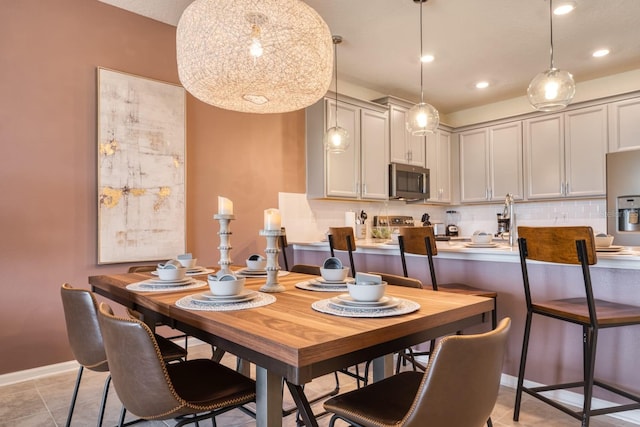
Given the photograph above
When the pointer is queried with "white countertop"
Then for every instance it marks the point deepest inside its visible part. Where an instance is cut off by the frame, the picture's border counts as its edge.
(628, 258)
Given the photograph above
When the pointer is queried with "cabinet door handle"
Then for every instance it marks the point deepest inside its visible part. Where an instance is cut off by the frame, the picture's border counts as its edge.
(486, 193)
(364, 189)
(562, 188)
(566, 188)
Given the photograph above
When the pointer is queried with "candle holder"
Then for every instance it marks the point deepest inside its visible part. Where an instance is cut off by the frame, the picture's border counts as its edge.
(225, 242)
(273, 268)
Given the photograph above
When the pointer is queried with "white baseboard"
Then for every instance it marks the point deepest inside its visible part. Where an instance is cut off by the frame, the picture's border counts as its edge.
(35, 373)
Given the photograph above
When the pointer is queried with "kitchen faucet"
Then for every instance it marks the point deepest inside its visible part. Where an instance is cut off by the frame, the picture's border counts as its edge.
(509, 214)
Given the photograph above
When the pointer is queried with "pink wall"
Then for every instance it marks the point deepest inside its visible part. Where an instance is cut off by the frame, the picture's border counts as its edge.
(49, 52)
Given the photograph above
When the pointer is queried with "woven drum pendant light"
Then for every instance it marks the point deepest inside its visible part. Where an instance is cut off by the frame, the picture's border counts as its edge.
(422, 118)
(255, 56)
(551, 90)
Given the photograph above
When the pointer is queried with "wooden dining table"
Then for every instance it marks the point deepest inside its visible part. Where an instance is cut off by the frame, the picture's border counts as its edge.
(290, 340)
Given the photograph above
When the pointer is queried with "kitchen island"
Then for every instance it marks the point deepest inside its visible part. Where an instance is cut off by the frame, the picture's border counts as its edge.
(615, 277)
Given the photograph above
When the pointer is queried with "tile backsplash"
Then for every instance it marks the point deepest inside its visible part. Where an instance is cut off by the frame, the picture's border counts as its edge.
(307, 220)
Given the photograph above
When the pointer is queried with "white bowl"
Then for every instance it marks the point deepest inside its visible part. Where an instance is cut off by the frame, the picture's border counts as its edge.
(171, 273)
(188, 262)
(366, 291)
(227, 284)
(334, 274)
(332, 262)
(256, 262)
(481, 237)
(603, 241)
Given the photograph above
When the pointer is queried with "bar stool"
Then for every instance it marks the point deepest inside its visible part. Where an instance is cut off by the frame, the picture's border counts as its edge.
(572, 246)
(422, 241)
(343, 239)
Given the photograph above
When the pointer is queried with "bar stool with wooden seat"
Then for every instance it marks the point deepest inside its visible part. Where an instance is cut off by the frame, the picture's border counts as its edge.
(422, 241)
(343, 239)
(572, 246)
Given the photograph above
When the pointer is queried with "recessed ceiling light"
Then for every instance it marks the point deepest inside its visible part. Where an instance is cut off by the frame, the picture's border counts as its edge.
(564, 7)
(482, 85)
(427, 58)
(600, 53)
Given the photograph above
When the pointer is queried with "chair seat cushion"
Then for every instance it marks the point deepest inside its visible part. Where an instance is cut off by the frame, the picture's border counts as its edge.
(382, 403)
(461, 288)
(170, 350)
(576, 309)
(210, 385)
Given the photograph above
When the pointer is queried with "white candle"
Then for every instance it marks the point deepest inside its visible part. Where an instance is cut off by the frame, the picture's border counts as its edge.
(272, 219)
(225, 206)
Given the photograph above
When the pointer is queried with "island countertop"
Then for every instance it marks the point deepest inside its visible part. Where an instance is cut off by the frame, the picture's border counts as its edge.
(627, 258)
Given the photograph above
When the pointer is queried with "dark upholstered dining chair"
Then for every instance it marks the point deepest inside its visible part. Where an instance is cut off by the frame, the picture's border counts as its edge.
(422, 241)
(85, 338)
(459, 387)
(189, 391)
(574, 246)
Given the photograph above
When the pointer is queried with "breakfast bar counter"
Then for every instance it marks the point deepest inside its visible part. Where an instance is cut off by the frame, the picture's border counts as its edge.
(615, 278)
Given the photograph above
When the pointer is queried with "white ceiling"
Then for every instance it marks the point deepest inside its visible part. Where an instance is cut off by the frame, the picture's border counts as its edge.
(505, 42)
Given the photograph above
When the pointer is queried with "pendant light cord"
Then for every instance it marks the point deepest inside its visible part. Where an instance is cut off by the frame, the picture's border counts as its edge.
(336, 41)
(421, 54)
(551, 31)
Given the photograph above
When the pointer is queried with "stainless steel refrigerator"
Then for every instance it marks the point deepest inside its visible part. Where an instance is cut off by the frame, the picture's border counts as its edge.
(623, 197)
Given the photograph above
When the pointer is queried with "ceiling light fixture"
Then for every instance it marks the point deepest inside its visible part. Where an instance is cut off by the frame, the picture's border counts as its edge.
(336, 139)
(422, 118)
(553, 89)
(564, 7)
(427, 58)
(267, 56)
(482, 85)
(600, 53)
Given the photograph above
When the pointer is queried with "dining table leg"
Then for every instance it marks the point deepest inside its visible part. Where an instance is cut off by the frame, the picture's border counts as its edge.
(268, 398)
(382, 367)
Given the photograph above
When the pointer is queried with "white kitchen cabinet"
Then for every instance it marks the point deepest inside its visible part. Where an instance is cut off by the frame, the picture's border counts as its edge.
(403, 146)
(491, 163)
(438, 160)
(361, 171)
(624, 125)
(565, 154)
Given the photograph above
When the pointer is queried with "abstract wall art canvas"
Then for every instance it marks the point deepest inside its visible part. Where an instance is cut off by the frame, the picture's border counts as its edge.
(141, 168)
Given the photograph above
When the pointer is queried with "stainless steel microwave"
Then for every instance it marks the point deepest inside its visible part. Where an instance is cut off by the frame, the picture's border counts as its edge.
(407, 182)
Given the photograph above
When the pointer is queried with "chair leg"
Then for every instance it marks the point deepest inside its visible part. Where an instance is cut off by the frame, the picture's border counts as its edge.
(74, 396)
(103, 403)
(523, 361)
(590, 338)
(489, 422)
(123, 412)
(494, 314)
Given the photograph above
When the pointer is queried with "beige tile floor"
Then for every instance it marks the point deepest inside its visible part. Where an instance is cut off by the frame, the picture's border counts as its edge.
(44, 402)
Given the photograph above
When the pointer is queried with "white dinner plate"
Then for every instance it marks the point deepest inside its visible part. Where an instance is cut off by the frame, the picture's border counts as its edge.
(345, 300)
(160, 282)
(481, 245)
(208, 297)
(611, 248)
(322, 282)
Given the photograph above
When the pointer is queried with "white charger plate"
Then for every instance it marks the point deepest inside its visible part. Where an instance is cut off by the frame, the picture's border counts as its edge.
(160, 282)
(481, 245)
(612, 248)
(209, 298)
(345, 300)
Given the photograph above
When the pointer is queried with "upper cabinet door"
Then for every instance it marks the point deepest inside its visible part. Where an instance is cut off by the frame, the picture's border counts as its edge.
(624, 125)
(543, 140)
(585, 147)
(404, 147)
(473, 166)
(438, 156)
(374, 152)
(505, 161)
(343, 170)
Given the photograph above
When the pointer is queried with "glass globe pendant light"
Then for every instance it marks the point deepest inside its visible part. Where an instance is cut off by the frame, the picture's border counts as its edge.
(553, 89)
(336, 139)
(422, 118)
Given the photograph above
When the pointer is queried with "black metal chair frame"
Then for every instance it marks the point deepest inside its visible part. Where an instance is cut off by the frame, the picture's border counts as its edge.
(434, 280)
(590, 332)
(350, 246)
